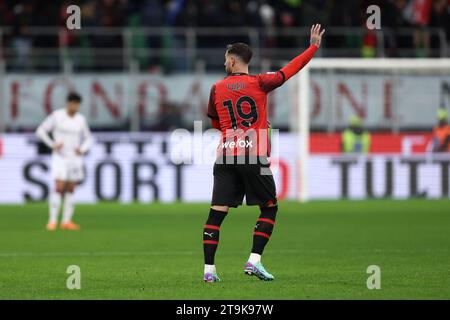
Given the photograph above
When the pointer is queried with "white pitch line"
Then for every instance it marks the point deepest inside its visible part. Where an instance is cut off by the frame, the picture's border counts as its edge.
(199, 252)
(99, 254)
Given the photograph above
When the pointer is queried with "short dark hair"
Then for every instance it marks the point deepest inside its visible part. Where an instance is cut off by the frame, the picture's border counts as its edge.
(241, 50)
(74, 97)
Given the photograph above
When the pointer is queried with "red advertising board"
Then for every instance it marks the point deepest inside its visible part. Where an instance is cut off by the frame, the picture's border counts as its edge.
(405, 142)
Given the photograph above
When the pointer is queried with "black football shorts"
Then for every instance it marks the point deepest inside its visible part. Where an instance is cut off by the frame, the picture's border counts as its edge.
(233, 180)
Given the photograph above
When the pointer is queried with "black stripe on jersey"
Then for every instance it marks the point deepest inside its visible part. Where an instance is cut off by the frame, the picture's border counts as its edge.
(284, 76)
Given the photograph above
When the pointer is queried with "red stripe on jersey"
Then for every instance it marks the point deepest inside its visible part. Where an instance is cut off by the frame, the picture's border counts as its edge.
(210, 242)
(208, 226)
(262, 234)
(267, 220)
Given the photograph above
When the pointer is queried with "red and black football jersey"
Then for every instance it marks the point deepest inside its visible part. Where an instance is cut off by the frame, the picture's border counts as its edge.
(239, 104)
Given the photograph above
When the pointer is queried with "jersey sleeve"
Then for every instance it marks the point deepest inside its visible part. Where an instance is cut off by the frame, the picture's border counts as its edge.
(48, 123)
(299, 62)
(45, 127)
(212, 111)
(87, 136)
(271, 80)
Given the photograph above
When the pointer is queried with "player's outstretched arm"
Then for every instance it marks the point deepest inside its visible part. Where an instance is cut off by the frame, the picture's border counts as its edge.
(273, 80)
(300, 61)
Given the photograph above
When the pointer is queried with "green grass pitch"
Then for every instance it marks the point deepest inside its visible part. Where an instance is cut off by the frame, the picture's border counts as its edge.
(319, 250)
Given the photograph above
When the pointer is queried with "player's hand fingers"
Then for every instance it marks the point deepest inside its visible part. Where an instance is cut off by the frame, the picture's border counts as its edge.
(323, 31)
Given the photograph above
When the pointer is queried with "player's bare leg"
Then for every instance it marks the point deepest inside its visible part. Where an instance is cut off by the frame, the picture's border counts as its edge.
(263, 231)
(55, 205)
(68, 209)
(211, 232)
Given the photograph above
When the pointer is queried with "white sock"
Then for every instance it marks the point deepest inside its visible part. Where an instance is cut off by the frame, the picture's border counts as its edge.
(254, 258)
(210, 268)
(68, 207)
(54, 207)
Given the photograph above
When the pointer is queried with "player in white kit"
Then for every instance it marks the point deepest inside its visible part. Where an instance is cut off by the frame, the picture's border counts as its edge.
(71, 140)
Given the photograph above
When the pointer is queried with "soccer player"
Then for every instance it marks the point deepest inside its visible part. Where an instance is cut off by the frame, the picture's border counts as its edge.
(71, 140)
(237, 107)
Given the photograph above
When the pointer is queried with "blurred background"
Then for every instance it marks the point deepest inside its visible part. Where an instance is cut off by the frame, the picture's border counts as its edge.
(146, 67)
(174, 35)
(184, 37)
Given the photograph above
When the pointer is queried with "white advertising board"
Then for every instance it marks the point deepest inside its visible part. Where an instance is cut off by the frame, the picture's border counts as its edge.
(125, 167)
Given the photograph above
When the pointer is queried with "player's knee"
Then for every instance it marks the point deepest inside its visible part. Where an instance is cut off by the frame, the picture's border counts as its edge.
(269, 212)
(270, 203)
(223, 209)
(215, 217)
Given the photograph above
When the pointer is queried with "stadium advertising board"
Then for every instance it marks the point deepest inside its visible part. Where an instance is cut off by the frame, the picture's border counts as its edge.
(110, 100)
(128, 167)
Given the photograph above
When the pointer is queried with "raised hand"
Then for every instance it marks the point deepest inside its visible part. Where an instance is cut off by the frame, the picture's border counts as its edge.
(316, 34)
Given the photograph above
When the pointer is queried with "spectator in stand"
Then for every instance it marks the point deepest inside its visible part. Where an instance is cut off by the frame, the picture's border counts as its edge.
(439, 18)
(109, 13)
(104, 51)
(288, 16)
(153, 13)
(420, 16)
(396, 19)
(48, 17)
(369, 39)
(22, 41)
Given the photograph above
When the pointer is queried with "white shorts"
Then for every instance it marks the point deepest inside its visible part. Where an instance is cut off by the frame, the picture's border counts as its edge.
(67, 168)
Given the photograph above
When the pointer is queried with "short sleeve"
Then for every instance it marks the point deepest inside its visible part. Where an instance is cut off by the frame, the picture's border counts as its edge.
(87, 136)
(271, 80)
(49, 123)
(212, 111)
